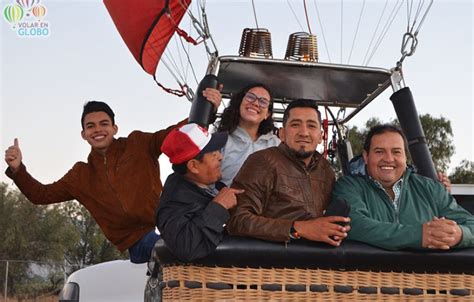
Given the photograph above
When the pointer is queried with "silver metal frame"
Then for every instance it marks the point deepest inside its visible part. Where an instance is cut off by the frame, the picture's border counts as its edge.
(331, 85)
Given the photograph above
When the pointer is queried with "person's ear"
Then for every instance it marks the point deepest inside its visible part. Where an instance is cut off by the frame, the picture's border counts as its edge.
(320, 139)
(365, 155)
(115, 129)
(281, 134)
(192, 166)
(83, 135)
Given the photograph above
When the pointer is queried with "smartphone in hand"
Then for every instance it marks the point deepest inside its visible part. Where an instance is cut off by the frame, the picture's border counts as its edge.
(338, 207)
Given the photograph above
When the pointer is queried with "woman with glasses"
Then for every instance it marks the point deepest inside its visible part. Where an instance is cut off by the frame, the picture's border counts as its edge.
(248, 119)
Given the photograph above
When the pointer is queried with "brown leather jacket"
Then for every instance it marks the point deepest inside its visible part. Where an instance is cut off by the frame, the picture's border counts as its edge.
(279, 189)
(121, 190)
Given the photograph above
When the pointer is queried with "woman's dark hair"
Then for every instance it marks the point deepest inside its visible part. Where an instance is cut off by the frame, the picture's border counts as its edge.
(231, 116)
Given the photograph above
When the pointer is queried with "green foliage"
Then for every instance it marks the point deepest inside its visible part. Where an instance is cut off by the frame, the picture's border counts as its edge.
(91, 247)
(53, 235)
(464, 173)
(30, 232)
(439, 137)
(33, 284)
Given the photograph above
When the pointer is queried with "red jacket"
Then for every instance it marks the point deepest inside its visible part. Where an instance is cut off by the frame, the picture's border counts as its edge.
(121, 190)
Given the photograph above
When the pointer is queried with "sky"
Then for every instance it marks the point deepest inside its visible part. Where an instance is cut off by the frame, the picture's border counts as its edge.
(45, 81)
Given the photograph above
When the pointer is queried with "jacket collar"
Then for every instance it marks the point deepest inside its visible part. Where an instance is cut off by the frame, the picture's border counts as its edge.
(211, 191)
(290, 155)
(111, 150)
(408, 172)
(242, 135)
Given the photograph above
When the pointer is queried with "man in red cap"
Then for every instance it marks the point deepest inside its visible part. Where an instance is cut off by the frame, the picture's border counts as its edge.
(193, 211)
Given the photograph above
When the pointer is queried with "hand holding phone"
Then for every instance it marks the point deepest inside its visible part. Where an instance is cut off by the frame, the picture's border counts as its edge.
(338, 207)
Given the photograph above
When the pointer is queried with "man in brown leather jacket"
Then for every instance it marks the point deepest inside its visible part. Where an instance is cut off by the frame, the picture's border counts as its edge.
(288, 187)
(119, 184)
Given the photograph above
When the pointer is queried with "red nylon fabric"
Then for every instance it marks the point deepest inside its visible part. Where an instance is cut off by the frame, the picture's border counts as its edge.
(145, 27)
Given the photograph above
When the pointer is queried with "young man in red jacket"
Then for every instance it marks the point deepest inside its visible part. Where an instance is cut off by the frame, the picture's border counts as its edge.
(120, 183)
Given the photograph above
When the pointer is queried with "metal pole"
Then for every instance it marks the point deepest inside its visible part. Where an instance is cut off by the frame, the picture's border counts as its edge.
(201, 109)
(410, 123)
(6, 282)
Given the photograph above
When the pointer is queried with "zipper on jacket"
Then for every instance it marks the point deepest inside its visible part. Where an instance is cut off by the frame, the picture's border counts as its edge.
(110, 184)
(392, 206)
(400, 199)
(387, 199)
(308, 178)
(402, 193)
(397, 211)
(391, 202)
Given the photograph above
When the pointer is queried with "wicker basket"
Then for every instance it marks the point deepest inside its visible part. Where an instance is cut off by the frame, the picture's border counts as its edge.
(189, 282)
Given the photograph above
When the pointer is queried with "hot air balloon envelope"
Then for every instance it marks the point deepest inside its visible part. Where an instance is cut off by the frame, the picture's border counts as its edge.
(39, 11)
(13, 13)
(27, 3)
(147, 26)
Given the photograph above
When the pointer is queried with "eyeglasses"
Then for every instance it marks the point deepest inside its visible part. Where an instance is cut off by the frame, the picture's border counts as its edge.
(263, 102)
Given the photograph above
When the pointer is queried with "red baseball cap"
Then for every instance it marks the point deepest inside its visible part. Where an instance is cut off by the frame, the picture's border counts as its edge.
(190, 140)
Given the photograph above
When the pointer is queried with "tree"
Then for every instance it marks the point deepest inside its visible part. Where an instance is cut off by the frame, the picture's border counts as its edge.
(47, 235)
(91, 247)
(30, 232)
(464, 173)
(439, 137)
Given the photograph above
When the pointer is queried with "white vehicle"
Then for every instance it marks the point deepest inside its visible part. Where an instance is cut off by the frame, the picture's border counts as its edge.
(118, 280)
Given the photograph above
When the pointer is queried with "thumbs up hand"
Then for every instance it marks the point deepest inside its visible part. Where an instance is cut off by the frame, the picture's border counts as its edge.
(13, 156)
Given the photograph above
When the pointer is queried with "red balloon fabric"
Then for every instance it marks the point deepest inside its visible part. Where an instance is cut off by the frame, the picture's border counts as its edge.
(146, 26)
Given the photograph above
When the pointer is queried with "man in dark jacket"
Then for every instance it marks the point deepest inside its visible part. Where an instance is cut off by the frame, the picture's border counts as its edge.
(119, 184)
(193, 212)
(394, 208)
(288, 187)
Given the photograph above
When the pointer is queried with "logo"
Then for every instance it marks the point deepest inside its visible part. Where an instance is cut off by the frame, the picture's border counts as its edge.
(26, 18)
